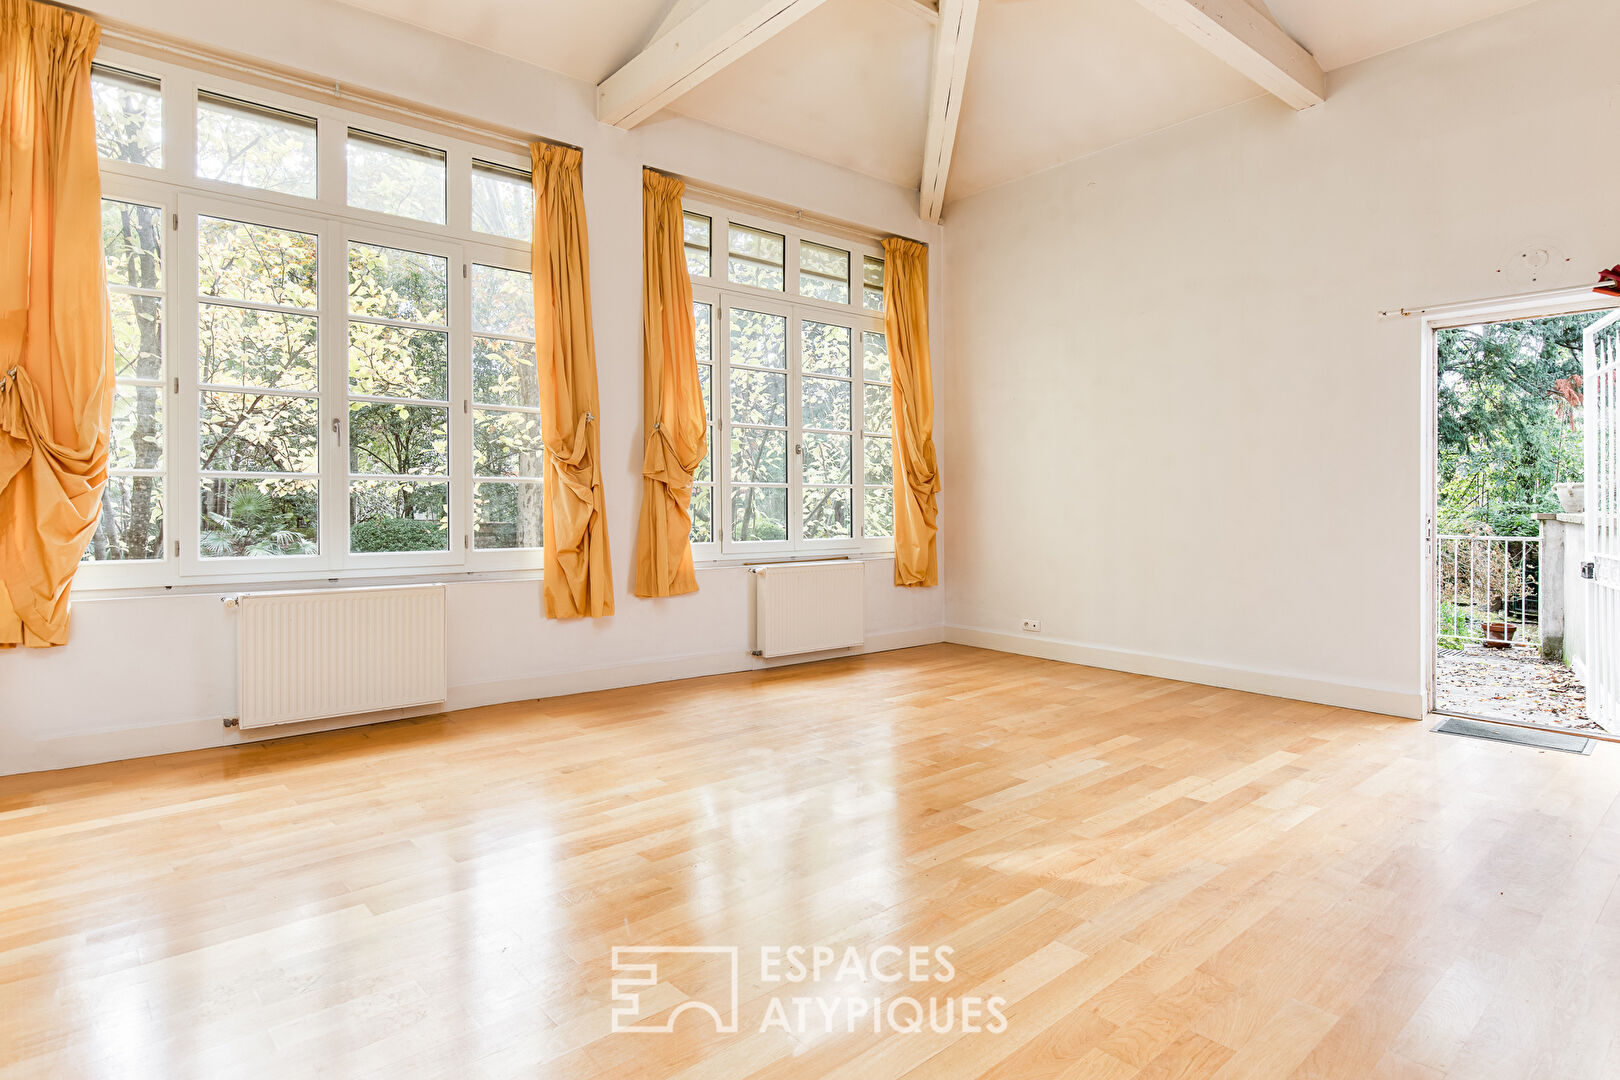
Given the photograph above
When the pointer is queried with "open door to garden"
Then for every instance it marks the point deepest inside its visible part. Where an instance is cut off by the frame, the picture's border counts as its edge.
(1600, 569)
(1526, 424)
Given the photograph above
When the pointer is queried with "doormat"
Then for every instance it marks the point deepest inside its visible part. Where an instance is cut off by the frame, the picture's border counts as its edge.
(1541, 740)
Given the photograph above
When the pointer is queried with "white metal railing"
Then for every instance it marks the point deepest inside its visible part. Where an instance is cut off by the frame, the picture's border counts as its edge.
(1486, 585)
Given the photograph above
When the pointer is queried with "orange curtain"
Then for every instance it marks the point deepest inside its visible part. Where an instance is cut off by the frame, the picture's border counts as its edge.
(56, 370)
(674, 425)
(578, 571)
(916, 476)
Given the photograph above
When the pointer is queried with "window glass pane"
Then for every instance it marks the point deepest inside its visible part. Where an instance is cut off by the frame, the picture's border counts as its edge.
(758, 513)
(825, 348)
(756, 257)
(129, 116)
(826, 513)
(758, 456)
(238, 261)
(137, 329)
(395, 177)
(702, 515)
(826, 404)
(704, 473)
(758, 397)
(875, 356)
(826, 459)
(269, 517)
(823, 272)
(879, 460)
(502, 201)
(706, 381)
(879, 413)
(388, 283)
(697, 228)
(507, 443)
(258, 433)
(398, 515)
(242, 143)
(132, 244)
(508, 515)
(252, 347)
(400, 440)
(502, 301)
(871, 283)
(391, 361)
(135, 440)
(504, 373)
(758, 339)
(879, 512)
(131, 525)
(703, 332)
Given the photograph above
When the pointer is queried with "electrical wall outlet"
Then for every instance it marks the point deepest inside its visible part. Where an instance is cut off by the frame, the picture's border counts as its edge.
(1032, 626)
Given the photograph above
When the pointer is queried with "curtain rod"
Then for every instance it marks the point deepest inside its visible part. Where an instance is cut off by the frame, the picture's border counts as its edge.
(122, 35)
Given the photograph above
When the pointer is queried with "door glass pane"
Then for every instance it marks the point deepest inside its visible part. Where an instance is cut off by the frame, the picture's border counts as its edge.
(758, 513)
(258, 433)
(252, 347)
(825, 348)
(507, 443)
(265, 517)
(255, 263)
(398, 515)
(389, 283)
(756, 257)
(826, 404)
(239, 142)
(758, 397)
(392, 176)
(823, 273)
(502, 201)
(504, 373)
(132, 244)
(508, 514)
(129, 116)
(394, 361)
(826, 513)
(399, 440)
(131, 525)
(758, 456)
(758, 339)
(502, 301)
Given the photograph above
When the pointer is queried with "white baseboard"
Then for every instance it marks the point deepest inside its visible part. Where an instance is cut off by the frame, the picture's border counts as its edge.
(121, 744)
(1386, 700)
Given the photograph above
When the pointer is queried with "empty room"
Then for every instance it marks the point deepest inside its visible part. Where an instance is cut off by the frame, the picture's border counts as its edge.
(796, 539)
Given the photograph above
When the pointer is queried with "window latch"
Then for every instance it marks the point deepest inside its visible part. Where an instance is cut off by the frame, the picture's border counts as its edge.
(337, 429)
(1589, 571)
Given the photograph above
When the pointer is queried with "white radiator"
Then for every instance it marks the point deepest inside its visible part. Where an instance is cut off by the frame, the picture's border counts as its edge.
(337, 652)
(809, 607)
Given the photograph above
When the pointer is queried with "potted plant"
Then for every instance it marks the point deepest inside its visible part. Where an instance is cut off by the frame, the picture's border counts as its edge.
(1571, 497)
(1499, 635)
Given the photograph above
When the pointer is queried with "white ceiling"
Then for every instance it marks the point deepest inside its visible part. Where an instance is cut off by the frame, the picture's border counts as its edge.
(1049, 80)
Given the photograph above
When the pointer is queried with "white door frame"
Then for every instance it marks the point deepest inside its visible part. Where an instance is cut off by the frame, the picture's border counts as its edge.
(1507, 309)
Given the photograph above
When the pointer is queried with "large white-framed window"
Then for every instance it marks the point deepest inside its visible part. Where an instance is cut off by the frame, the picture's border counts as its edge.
(793, 355)
(324, 329)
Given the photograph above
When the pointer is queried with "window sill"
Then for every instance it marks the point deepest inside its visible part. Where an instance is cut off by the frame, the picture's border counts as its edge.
(742, 562)
(350, 581)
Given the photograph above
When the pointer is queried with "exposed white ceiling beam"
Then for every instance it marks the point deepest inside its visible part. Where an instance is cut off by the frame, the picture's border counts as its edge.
(704, 41)
(927, 10)
(1249, 41)
(953, 41)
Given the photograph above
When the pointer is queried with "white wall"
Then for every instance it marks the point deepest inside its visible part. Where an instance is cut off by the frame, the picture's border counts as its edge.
(1189, 444)
(154, 674)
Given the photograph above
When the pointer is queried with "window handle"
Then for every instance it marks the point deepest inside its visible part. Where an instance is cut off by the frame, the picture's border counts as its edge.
(337, 429)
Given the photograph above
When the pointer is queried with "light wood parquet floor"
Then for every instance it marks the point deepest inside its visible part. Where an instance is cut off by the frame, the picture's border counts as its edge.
(1161, 881)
